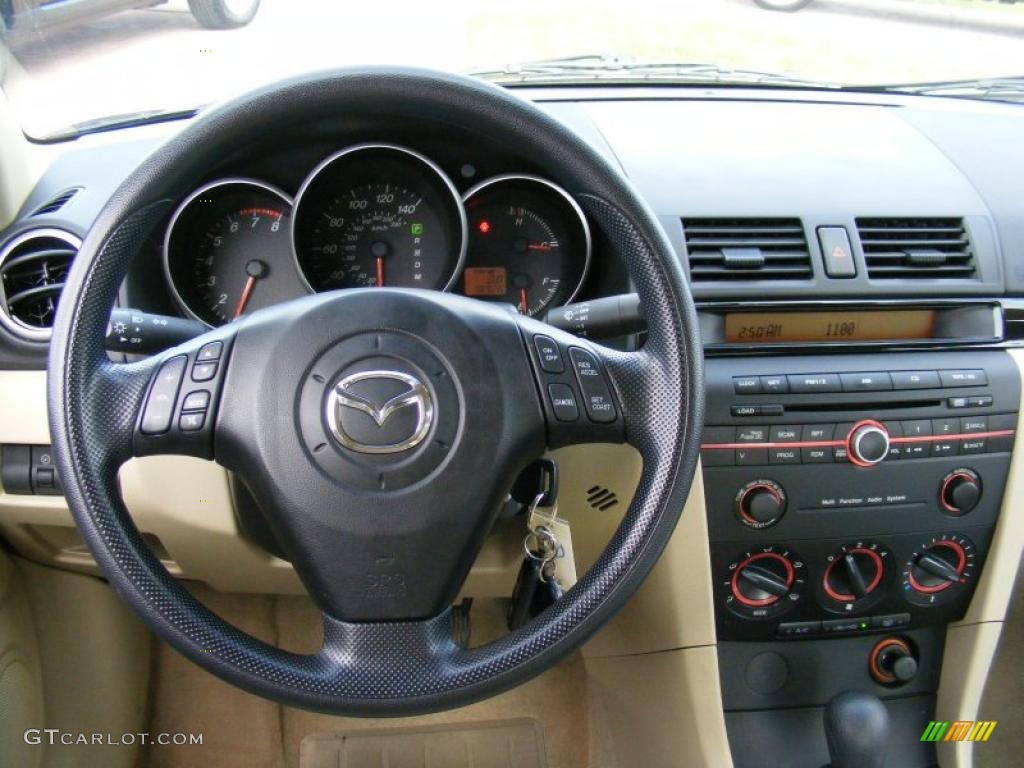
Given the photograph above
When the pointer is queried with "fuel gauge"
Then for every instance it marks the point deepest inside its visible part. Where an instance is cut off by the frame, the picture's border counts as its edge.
(529, 244)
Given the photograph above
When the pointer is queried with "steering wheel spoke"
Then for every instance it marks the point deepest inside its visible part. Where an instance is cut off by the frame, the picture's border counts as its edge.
(183, 389)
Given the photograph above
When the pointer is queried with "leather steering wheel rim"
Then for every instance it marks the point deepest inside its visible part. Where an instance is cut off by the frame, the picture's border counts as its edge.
(374, 667)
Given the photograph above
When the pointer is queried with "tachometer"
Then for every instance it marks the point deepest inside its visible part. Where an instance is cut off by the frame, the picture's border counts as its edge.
(529, 244)
(376, 215)
(227, 250)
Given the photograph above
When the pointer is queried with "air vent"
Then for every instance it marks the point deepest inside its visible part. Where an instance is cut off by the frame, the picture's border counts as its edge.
(57, 203)
(33, 267)
(746, 249)
(601, 498)
(909, 249)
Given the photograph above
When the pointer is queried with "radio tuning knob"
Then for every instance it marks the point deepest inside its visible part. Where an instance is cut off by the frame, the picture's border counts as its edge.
(867, 443)
(960, 491)
(760, 503)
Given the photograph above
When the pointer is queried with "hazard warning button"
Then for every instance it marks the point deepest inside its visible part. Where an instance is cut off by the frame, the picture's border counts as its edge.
(835, 247)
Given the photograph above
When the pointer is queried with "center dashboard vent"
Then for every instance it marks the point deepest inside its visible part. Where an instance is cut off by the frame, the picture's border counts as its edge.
(746, 250)
(33, 268)
(909, 249)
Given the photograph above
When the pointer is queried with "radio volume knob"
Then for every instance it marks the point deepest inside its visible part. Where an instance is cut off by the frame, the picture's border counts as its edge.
(868, 443)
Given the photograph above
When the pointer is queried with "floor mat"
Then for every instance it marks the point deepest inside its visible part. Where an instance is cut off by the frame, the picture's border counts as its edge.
(496, 744)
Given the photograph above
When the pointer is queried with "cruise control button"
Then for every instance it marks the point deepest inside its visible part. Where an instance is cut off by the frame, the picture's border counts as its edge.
(192, 422)
(210, 352)
(196, 401)
(597, 399)
(204, 371)
(814, 383)
(915, 379)
(549, 354)
(159, 410)
(563, 402)
(963, 378)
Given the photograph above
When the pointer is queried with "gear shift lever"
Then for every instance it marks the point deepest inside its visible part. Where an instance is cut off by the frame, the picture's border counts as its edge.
(857, 729)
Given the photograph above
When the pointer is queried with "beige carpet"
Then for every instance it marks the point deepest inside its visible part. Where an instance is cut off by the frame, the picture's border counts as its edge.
(1003, 700)
(244, 731)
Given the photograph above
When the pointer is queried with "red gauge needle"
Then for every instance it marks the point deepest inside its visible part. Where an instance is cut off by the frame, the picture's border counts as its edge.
(380, 271)
(250, 283)
(255, 269)
(538, 247)
(524, 302)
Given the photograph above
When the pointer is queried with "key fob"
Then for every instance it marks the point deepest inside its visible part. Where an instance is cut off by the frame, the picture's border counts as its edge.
(527, 582)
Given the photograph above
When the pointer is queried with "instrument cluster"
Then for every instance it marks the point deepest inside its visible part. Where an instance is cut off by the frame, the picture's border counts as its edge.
(375, 215)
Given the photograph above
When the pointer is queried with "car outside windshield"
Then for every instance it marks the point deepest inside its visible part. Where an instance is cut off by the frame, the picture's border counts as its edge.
(162, 58)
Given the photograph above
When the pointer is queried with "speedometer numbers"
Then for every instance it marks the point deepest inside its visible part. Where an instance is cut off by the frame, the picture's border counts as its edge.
(379, 215)
(529, 244)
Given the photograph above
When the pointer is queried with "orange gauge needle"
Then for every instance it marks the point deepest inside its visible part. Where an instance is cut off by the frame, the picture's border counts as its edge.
(380, 271)
(255, 269)
(538, 247)
(250, 283)
(524, 302)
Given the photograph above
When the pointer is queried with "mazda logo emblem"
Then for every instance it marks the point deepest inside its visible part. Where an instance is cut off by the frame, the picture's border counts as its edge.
(414, 394)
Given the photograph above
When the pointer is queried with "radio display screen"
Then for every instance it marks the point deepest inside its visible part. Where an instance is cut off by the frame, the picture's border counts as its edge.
(846, 325)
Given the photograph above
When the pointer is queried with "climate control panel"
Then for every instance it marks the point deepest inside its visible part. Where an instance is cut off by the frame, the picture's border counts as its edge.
(840, 513)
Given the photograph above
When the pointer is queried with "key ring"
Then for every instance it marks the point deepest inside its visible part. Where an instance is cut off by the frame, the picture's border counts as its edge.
(546, 548)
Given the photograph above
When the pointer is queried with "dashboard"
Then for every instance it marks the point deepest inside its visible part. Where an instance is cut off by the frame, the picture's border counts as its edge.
(858, 266)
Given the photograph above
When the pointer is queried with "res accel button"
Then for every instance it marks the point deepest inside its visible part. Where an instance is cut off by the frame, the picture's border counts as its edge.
(597, 399)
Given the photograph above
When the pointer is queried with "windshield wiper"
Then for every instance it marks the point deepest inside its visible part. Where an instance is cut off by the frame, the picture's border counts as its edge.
(613, 69)
(116, 122)
(996, 88)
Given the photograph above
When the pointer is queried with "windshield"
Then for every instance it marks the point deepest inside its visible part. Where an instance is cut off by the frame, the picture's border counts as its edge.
(74, 61)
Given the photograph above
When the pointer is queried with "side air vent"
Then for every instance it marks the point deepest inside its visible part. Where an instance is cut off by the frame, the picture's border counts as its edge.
(57, 203)
(746, 249)
(601, 498)
(33, 267)
(911, 249)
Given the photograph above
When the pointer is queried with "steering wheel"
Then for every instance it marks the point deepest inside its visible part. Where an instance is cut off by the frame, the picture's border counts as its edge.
(379, 429)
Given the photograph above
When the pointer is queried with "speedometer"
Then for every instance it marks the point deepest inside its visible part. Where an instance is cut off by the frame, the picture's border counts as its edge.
(379, 215)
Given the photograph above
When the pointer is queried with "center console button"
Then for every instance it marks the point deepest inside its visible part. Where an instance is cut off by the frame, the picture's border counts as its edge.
(974, 377)
(774, 385)
(746, 385)
(752, 434)
(945, 426)
(745, 410)
(814, 383)
(915, 379)
(872, 381)
(748, 457)
(784, 455)
(917, 428)
(780, 434)
(815, 433)
(970, 424)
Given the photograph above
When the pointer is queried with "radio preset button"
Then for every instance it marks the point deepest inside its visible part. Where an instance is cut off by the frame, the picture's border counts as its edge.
(945, 426)
(917, 428)
(970, 424)
(973, 445)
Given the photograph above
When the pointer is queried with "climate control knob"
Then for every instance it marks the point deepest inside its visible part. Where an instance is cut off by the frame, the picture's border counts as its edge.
(939, 570)
(960, 491)
(854, 574)
(764, 582)
(867, 443)
(760, 503)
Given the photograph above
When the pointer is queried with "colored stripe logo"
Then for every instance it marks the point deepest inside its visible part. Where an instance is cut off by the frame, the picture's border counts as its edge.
(958, 730)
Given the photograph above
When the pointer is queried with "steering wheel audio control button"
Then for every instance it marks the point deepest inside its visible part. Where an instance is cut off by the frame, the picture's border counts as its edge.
(159, 410)
(196, 401)
(597, 399)
(549, 354)
(563, 402)
(209, 353)
(192, 422)
(204, 371)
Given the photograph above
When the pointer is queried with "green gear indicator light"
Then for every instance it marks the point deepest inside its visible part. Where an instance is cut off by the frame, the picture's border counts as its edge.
(416, 228)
